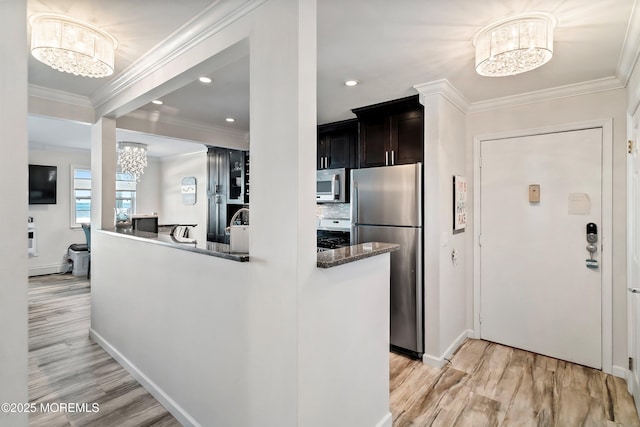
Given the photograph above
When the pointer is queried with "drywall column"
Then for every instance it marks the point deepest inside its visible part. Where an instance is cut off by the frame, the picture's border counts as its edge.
(13, 210)
(431, 228)
(103, 173)
(445, 296)
(283, 123)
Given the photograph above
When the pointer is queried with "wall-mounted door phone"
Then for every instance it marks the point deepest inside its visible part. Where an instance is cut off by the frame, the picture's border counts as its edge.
(592, 248)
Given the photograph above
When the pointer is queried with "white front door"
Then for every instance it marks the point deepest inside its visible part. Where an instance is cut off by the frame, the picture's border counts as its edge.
(633, 266)
(538, 292)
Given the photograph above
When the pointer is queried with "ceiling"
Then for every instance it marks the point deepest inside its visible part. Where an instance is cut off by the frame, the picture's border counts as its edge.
(389, 47)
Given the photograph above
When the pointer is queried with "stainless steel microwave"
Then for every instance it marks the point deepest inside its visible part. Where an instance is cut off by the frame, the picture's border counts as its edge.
(332, 186)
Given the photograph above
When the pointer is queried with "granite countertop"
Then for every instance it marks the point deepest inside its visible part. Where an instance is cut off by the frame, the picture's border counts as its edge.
(219, 250)
(340, 256)
(326, 259)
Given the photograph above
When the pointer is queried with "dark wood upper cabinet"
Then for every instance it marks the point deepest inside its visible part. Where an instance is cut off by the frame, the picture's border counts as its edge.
(391, 133)
(337, 144)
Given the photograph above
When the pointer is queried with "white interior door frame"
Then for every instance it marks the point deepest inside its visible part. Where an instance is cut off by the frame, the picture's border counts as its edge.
(607, 222)
(633, 134)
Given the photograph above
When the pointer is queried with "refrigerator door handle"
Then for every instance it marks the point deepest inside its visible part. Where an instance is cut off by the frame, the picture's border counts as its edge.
(419, 193)
(354, 213)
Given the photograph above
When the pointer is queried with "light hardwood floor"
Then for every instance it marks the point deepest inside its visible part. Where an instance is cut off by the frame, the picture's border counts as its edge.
(66, 366)
(487, 384)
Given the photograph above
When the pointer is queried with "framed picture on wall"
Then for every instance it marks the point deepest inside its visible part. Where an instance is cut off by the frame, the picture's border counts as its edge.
(459, 204)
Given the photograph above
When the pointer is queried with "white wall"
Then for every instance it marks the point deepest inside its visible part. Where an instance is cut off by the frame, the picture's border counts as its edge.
(602, 105)
(452, 273)
(53, 222)
(13, 210)
(445, 280)
(344, 346)
(184, 320)
(148, 196)
(172, 211)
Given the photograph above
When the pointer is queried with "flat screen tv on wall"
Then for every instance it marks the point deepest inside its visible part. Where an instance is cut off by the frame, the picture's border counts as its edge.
(43, 182)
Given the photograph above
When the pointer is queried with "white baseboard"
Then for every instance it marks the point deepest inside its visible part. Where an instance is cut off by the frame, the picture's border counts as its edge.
(165, 400)
(386, 421)
(48, 269)
(440, 361)
(619, 371)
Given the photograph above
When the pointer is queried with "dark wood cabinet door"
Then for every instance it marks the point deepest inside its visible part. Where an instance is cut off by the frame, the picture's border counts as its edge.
(337, 145)
(391, 133)
(407, 137)
(340, 149)
(374, 142)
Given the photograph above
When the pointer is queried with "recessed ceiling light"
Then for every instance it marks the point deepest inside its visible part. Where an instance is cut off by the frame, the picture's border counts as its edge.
(230, 119)
(351, 83)
(157, 102)
(204, 79)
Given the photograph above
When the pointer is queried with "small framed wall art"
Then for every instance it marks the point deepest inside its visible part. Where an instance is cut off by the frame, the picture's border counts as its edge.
(188, 190)
(459, 204)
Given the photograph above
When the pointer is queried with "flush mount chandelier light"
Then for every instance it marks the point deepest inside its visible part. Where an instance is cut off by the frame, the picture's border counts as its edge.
(132, 158)
(72, 46)
(514, 45)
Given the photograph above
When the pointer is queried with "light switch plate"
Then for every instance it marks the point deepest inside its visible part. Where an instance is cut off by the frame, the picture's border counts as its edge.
(534, 193)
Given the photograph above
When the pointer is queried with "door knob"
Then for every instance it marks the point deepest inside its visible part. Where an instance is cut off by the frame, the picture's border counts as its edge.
(634, 290)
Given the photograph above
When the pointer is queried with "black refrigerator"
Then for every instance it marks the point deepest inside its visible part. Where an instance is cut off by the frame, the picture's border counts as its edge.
(386, 206)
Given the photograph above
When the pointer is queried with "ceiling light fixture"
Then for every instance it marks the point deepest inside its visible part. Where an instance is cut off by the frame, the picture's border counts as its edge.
(157, 102)
(132, 158)
(351, 83)
(230, 119)
(204, 79)
(72, 46)
(514, 45)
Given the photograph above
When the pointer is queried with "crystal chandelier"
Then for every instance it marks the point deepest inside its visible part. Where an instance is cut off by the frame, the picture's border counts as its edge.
(514, 45)
(72, 46)
(132, 158)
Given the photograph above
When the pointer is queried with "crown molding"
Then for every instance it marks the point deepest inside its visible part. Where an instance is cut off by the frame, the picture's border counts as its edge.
(631, 46)
(447, 90)
(213, 19)
(559, 92)
(59, 96)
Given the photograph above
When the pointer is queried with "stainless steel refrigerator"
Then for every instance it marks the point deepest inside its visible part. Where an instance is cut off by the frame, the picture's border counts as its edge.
(386, 206)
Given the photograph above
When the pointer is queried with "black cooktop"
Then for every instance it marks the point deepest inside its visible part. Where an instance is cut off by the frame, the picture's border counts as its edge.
(333, 239)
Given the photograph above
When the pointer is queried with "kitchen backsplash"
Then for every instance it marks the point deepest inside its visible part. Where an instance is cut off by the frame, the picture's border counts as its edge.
(333, 210)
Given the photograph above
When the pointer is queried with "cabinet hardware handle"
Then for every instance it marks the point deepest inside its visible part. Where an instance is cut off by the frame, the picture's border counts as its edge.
(393, 157)
(634, 290)
(386, 158)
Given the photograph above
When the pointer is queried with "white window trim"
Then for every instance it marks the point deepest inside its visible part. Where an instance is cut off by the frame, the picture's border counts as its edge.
(72, 195)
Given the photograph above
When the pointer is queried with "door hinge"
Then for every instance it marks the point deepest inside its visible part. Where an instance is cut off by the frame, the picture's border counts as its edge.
(630, 146)
(631, 363)
(480, 318)
(480, 240)
(480, 162)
